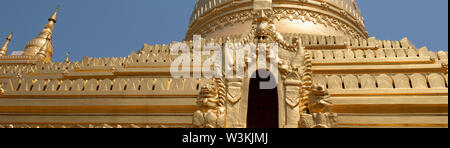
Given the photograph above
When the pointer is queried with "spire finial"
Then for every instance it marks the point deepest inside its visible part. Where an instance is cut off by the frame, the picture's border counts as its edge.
(67, 60)
(54, 15)
(10, 36)
(4, 48)
(42, 45)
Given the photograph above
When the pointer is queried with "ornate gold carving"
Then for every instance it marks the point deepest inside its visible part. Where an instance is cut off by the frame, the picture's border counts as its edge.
(208, 23)
(292, 83)
(315, 111)
(211, 106)
(319, 101)
(320, 108)
(234, 94)
(445, 67)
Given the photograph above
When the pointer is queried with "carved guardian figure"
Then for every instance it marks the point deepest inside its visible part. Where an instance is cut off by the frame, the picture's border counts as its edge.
(211, 109)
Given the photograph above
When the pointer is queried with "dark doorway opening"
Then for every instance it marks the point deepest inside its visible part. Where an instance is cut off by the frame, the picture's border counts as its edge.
(262, 103)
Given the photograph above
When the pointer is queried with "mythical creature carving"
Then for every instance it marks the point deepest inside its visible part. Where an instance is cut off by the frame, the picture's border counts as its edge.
(319, 106)
(316, 111)
(320, 100)
(211, 106)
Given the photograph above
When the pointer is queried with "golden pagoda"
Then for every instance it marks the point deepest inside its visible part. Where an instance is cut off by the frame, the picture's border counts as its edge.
(330, 74)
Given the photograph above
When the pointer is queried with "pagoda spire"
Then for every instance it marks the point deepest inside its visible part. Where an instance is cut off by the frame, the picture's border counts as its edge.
(42, 45)
(67, 60)
(4, 48)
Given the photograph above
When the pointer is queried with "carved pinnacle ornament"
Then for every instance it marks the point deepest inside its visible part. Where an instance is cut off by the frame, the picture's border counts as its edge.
(4, 48)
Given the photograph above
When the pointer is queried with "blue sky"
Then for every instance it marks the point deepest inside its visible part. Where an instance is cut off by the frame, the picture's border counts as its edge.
(115, 28)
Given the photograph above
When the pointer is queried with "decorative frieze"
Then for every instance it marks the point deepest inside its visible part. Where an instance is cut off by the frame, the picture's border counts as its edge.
(383, 81)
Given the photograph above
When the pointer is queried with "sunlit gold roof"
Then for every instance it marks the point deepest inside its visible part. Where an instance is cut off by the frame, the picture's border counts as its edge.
(218, 18)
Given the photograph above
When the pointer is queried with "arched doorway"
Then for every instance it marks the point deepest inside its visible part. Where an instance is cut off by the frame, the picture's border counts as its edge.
(262, 103)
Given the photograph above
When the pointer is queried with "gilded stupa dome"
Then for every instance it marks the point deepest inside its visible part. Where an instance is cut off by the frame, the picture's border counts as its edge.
(219, 18)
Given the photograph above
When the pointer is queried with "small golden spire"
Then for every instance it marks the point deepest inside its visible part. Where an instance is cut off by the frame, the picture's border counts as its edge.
(4, 48)
(67, 60)
(42, 45)
(54, 15)
(42, 53)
